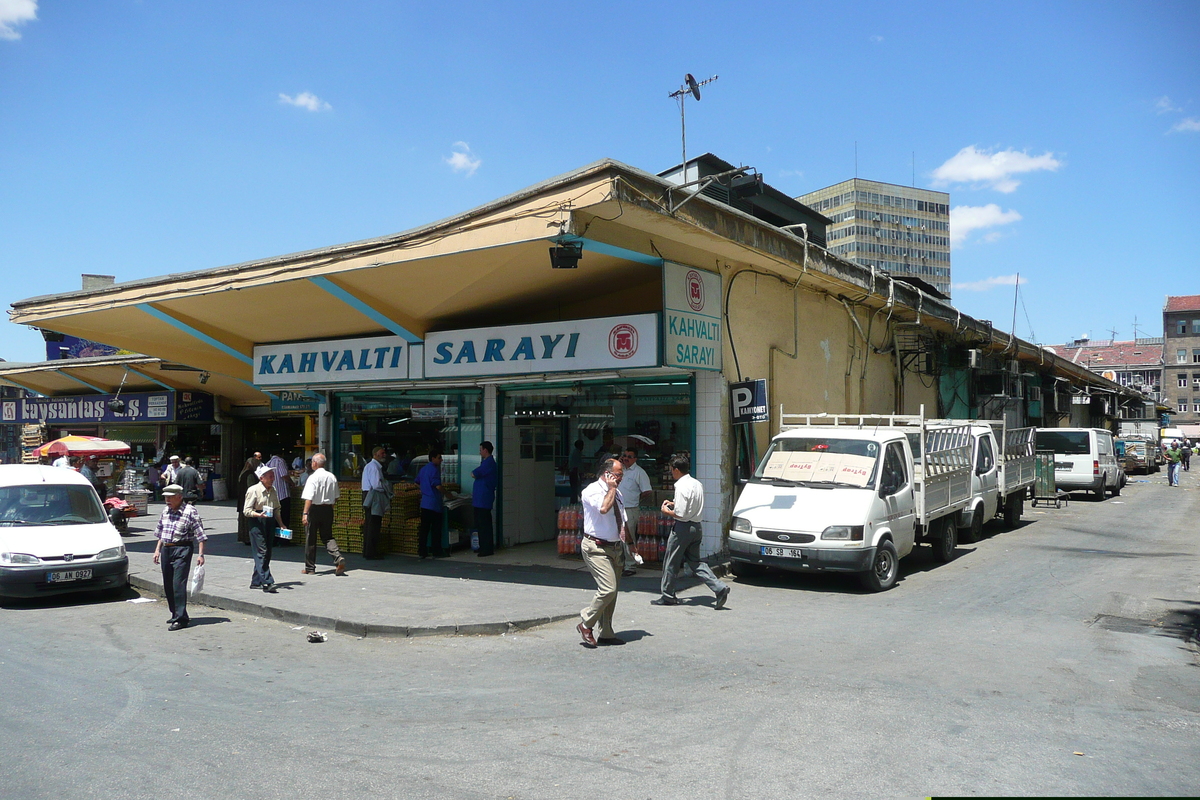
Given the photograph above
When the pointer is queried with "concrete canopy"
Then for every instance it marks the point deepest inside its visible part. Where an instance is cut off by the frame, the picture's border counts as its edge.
(489, 266)
(104, 375)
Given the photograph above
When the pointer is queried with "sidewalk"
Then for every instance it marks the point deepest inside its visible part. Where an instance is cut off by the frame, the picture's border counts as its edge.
(519, 587)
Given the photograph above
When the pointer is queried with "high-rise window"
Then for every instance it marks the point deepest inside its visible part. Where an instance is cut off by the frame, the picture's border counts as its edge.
(1181, 356)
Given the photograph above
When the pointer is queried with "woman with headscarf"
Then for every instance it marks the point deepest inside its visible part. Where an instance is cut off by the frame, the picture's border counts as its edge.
(246, 478)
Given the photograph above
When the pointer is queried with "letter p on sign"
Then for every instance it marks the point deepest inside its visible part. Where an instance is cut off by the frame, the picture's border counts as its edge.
(748, 402)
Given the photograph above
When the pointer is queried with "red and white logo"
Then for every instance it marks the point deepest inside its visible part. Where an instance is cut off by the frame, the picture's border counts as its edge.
(695, 290)
(623, 341)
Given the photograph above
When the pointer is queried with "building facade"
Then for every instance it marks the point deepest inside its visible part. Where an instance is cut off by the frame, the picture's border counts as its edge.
(900, 229)
(1136, 363)
(1181, 350)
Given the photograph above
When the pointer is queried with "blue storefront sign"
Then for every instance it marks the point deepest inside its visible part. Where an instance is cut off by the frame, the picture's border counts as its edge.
(94, 408)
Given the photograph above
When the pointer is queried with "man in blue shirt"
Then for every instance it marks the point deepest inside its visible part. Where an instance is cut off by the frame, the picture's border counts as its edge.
(483, 497)
(429, 478)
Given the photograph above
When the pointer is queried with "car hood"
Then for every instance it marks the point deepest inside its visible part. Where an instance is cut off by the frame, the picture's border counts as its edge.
(51, 541)
(798, 508)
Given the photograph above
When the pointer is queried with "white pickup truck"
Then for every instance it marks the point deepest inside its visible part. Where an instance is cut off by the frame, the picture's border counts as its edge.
(1001, 477)
(843, 493)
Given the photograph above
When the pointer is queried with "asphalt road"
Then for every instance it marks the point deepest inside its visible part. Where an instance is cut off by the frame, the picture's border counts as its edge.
(1055, 659)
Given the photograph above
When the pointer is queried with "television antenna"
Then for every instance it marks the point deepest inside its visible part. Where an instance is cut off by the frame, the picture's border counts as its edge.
(690, 86)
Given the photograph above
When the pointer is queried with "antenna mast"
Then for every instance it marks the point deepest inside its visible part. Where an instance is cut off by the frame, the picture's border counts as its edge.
(692, 87)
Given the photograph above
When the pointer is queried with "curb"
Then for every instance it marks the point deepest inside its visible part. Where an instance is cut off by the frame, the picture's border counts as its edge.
(361, 629)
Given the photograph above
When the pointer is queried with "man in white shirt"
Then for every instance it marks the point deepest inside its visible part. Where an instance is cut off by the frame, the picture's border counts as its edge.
(603, 534)
(634, 490)
(321, 490)
(172, 470)
(63, 462)
(683, 545)
(377, 500)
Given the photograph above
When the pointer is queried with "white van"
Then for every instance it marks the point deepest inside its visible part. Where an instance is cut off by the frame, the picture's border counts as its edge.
(54, 534)
(1084, 458)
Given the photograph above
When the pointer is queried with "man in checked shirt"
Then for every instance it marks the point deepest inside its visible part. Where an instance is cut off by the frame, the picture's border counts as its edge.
(180, 530)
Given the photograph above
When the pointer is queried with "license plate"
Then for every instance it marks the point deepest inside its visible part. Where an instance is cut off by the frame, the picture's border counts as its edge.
(784, 552)
(70, 575)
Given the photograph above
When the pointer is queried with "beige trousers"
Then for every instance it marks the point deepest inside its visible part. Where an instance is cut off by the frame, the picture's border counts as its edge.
(605, 562)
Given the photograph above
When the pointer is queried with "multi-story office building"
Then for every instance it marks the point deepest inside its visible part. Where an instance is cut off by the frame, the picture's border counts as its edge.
(1181, 351)
(901, 229)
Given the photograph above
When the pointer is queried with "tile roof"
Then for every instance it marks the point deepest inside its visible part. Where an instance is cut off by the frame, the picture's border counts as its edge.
(1184, 302)
(1111, 354)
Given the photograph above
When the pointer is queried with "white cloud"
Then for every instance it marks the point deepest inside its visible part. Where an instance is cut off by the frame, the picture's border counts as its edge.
(995, 170)
(988, 284)
(13, 13)
(964, 220)
(1189, 125)
(1163, 105)
(876, 39)
(463, 159)
(306, 100)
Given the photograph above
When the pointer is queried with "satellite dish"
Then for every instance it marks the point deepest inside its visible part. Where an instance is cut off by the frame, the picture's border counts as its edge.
(693, 87)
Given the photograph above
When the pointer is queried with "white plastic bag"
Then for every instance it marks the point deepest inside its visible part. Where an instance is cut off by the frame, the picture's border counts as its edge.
(196, 581)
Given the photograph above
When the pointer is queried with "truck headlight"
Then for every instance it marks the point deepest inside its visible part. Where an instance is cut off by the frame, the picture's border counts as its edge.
(18, 558)
(851, 533)
(741, 525)
(111, 554)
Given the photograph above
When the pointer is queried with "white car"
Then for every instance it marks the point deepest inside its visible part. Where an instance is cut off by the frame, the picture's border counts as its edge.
(54, 535)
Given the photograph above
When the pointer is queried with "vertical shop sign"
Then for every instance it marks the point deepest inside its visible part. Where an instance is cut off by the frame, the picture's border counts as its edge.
(692, 333)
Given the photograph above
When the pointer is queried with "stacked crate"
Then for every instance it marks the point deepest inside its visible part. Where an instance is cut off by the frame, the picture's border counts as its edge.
(404, 519)
(348, 517)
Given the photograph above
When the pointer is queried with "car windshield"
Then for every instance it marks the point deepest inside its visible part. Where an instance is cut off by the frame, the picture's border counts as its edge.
(1065, 443)
(820, 461)
(49, 504)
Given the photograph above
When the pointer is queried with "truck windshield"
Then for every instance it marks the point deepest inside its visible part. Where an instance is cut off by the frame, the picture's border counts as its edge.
(820, 460)
(48, 504)
(1065, 443)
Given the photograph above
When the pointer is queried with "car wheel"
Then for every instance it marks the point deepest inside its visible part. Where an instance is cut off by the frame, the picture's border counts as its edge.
(1116, 490)
(973, 532)
(1014, 505)
(884, 569)
(1098, 494)
(944, 546)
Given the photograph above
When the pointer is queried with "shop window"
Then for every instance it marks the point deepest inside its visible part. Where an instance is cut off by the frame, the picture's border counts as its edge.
(408, 425)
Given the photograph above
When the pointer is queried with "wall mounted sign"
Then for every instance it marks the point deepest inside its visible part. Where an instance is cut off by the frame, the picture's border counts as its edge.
(139, 407)
(379, 358)
(748, 402)
(571, 346)
(692, 336)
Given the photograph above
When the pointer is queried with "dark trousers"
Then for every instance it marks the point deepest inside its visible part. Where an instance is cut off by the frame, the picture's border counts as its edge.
(483, 524)
(683, 547)
(262, 542)
(285, 512)
(429, 535)
(320, 523)
(372, 523)
(176, 563)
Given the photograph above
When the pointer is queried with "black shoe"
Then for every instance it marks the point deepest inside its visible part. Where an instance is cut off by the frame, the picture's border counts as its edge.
(177, 626)
(256, 586)
(611, 641)
(664, 601)
(628, 572)
(270, 589)
(722, 596)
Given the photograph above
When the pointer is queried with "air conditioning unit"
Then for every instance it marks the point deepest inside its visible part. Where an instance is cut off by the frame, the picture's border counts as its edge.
(1035, 394)
(974, 359)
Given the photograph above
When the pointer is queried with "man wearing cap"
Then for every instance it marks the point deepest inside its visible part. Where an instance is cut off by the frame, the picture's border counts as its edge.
(320, 493)
(261, 507)
(172, 470)
(179, 531)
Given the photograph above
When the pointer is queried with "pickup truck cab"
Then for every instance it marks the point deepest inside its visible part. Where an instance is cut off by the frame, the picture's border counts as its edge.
(1003, 470)
(844, 494)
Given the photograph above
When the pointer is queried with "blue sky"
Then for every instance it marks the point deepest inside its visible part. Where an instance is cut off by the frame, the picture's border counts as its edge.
(142, 137)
